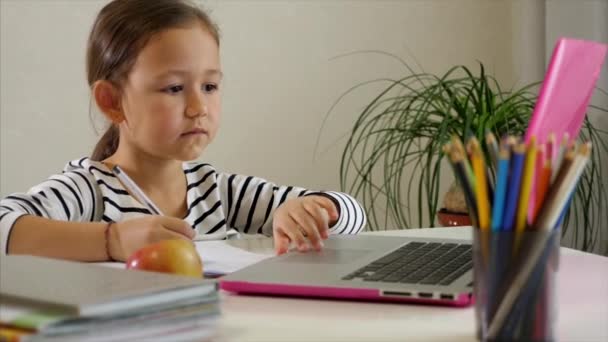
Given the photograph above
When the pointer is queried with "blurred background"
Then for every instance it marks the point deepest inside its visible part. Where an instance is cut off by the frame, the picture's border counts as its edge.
(285, 64)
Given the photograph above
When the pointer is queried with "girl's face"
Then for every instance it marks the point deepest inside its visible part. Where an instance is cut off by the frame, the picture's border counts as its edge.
(171, 100)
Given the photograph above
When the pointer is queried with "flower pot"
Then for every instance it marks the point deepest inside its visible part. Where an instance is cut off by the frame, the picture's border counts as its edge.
(451, 219)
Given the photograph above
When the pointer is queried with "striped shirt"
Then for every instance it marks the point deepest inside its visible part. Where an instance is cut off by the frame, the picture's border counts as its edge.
(87, 191)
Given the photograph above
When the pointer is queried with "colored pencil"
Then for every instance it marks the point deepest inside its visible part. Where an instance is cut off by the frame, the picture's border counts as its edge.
(538, 168)
(458, 145)
(551, 148)
(517, 163)
(561, 151)
(526, 187)
(489, 177)
(481, 188)
(492, 145)
(526, 277)
(563, 190)
(544, 180)
(446, 149)
(533, 187)
(457, 160)
(500, 192)
(524, 192)
(550, 197)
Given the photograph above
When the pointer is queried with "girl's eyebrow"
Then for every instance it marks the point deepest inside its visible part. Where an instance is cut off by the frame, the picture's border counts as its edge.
(180, 72)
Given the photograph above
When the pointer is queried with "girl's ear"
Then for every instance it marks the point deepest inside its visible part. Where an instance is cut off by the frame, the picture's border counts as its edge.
(107, 98)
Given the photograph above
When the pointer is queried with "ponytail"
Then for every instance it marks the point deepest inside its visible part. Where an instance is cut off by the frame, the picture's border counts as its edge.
(107, 145)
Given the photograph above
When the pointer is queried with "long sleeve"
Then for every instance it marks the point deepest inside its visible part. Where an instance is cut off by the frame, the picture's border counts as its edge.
(70, 196)
(249, 203)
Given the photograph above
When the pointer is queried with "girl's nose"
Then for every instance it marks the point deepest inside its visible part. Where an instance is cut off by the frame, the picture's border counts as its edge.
(194, 110)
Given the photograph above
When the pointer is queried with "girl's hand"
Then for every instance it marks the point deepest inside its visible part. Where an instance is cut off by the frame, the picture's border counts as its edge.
(300, 218)
(126, 237)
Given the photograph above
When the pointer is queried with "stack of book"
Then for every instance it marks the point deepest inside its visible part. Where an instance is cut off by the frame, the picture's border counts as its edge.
(45, 299)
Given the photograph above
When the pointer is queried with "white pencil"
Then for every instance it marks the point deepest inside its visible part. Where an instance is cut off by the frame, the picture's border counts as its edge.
(135, 190)
(561, 151)
(141, 197)
(549, 218)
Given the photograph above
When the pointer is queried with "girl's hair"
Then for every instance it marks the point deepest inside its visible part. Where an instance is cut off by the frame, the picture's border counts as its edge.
(120, 32)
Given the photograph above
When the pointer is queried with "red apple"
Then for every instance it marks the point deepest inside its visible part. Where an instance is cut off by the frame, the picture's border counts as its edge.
(168, 256)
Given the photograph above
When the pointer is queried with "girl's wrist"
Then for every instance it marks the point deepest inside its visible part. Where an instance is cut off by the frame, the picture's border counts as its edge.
(108, 235)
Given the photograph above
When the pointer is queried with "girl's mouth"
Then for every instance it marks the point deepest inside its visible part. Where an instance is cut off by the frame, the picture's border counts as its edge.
(195, 131)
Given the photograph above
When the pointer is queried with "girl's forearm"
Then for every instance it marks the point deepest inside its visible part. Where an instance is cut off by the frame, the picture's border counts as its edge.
(81, 241)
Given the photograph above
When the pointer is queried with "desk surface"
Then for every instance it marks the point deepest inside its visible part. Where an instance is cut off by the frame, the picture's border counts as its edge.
(582, 305)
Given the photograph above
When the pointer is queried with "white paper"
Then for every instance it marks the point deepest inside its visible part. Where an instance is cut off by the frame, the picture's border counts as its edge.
(221, 258)
(218, 257)
(11, 311)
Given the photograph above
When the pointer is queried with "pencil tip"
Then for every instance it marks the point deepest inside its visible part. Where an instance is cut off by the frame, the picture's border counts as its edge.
(446, 148)
(519, 147)
(490, 137)
(585, 149)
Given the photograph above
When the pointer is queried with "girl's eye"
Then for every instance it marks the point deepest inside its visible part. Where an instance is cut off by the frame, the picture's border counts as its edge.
(210, 87)
(173, 89)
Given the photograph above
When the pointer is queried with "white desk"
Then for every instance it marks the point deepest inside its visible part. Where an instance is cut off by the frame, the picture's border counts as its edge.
(582, 316)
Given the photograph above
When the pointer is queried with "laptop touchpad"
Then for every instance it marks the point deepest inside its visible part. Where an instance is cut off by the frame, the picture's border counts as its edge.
(325, 256)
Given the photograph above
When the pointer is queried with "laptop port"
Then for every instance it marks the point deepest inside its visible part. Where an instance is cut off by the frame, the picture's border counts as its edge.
(395, 293)
(425, 295)
(446, 296)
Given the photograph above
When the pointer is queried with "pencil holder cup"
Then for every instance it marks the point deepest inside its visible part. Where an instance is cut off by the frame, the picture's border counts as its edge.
(514, 284)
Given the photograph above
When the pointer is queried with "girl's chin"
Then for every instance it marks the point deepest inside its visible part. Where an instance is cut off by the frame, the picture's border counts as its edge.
(190, 154)
(181, 152)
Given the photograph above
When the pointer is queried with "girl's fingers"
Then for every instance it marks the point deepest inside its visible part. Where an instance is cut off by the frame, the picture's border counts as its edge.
(309, 225)
(177, 226)
(167, 234)
(290, 228)
(281, 242)
(320, 216)
(328, 205)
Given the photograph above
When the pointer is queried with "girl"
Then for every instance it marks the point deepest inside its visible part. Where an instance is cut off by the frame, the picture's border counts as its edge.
(154, 71)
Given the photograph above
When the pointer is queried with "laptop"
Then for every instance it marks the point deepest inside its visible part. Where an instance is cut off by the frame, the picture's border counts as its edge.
(422, 270)
(365, 267)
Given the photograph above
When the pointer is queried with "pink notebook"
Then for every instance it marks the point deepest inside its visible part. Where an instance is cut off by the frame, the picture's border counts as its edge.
(565, 93)
(567, 88)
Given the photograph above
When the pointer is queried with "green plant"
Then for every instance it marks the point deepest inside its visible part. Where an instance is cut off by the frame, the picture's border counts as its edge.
(393, 157)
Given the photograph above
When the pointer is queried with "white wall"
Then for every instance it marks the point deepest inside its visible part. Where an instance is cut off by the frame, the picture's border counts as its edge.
(583, 20)
(279, 83)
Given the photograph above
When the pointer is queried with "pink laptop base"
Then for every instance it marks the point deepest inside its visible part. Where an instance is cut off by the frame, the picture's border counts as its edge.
(462, 300)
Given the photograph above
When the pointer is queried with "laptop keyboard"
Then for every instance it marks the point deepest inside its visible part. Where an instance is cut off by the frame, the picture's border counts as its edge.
(419, 263)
